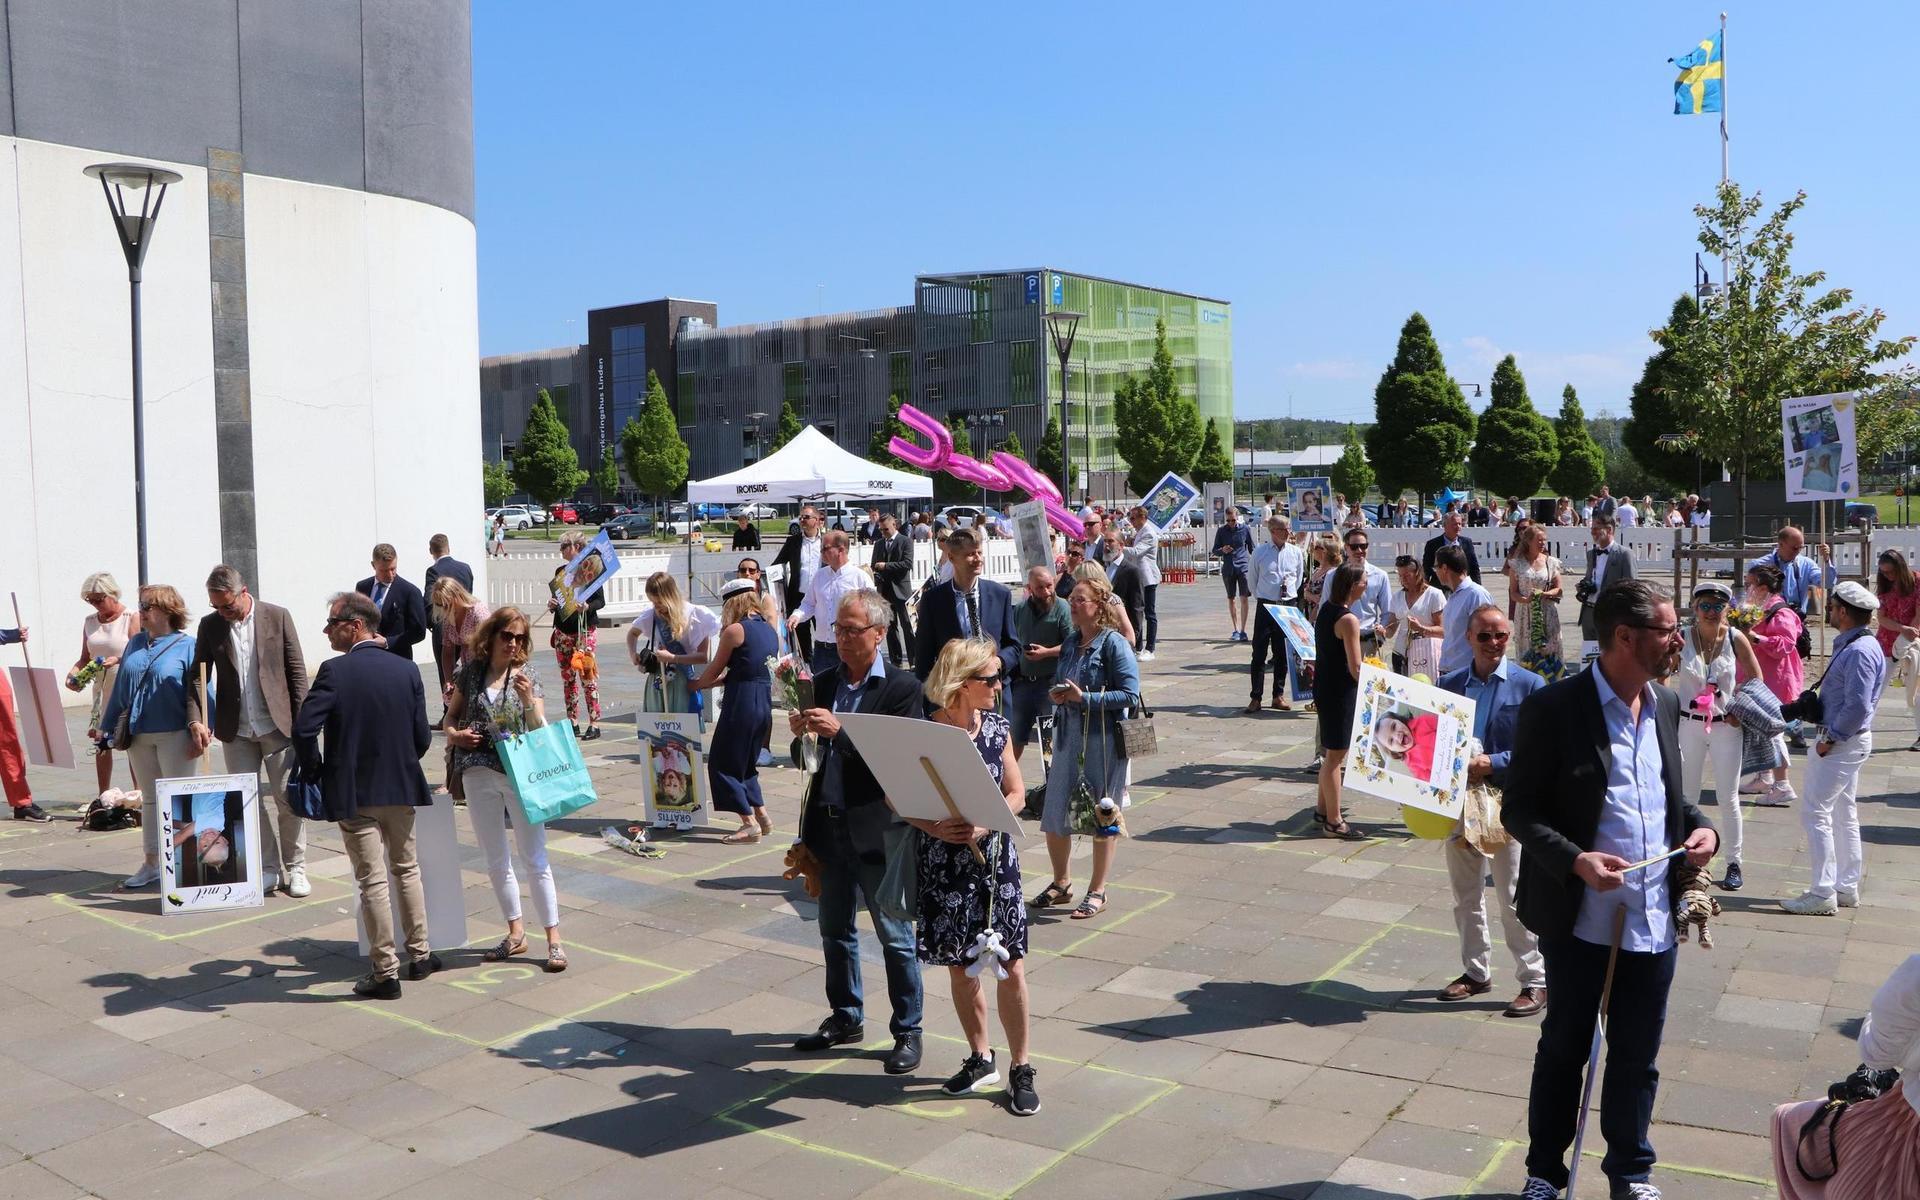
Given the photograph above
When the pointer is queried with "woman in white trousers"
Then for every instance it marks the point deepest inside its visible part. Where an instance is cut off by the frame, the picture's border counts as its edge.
(1715, 659)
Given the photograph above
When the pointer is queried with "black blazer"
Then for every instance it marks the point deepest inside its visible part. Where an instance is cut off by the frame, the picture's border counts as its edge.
(940, 624)
(1619, 566)
(746, 539)
(447, 567)
(372, 710)
(868, 817)
(1130, 586)
(403, 617)
(789, 557)
(1433, 548)
(893, 566)
(1556, 785)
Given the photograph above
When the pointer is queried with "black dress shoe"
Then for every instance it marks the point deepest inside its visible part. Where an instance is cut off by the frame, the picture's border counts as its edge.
(832, 1032)
(906, 1054)
(420, 968)
(375, 988)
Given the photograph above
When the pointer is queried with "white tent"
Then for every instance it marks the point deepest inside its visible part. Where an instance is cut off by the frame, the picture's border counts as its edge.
(808, 466)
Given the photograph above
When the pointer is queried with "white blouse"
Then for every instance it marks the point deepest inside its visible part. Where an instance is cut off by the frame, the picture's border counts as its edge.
(1891, 1035)
(702, 624)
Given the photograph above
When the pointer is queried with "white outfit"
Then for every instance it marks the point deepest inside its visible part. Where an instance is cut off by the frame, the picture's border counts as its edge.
(1890, 1036)
(822, 601)
(156, 756)
(1721, 743)
(1424, 657)
(1466, 871)
(1625, 515)
(489, 793)
(702, 624)
(1830, 814)
(1143, 547)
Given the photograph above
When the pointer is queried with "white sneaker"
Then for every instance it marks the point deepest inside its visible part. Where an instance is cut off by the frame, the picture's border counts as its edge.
(1778, 796)
(270, 883)
(1847, 899)
(1146, 656)
(1756, 786)
(1806, 904)
(297, 885)
(145, 877)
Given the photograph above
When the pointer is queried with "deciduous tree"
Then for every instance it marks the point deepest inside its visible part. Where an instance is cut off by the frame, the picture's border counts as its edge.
(1212, 464)
(1351, 473)
(1156, 429)
(656, 456)
(789, 427)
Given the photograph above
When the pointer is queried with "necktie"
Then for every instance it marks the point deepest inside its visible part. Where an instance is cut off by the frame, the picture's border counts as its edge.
(973, 615)
(379, 594)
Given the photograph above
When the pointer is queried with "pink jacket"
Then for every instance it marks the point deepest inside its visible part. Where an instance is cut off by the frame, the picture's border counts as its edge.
(1773, 640)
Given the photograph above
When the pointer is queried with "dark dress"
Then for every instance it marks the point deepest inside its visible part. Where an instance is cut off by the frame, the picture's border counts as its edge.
(746, 717)
(1334, 686)
(954, 888)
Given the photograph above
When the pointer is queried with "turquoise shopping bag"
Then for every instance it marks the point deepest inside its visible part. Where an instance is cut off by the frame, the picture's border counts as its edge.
(549, 776)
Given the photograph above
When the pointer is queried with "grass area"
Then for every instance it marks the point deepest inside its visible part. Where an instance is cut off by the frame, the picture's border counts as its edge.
(1890, 507)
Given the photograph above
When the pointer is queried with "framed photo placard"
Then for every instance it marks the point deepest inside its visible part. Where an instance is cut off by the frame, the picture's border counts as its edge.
(1410, 742)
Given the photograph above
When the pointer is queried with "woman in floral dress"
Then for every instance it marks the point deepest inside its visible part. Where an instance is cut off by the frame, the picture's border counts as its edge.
(970, 880)
(1537, 591)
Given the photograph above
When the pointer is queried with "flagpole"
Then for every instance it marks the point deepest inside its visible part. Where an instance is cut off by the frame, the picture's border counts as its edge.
(1724, 258)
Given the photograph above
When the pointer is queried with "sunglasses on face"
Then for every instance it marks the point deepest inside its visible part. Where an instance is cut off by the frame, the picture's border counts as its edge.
(518, 639)
(331, 621)
(749, 570)
(1710, 606)
(990, 680)
(1492, 635)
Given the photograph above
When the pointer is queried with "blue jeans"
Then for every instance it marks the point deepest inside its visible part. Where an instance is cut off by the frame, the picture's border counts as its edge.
(826, 655)
(845, 878)
(1575, 971)
(1026, 705)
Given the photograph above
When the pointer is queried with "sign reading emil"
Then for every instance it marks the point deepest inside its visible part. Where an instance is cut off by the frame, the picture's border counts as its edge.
(209, 843)
(1821, 458)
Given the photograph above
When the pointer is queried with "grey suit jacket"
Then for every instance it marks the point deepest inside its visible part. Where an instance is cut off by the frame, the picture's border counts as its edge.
(278, 662)
(1619, 566)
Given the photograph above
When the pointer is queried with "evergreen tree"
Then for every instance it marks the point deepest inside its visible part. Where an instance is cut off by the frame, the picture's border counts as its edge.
(1516, 449)
(1156, 429)
(1660, 409)
(496, 482)
(946, 488)
(544, 465)
(789, 427)
(1013, 447)
(1352, 473)
(892, 427)
(1423, 426)
(1582, 466)
(1212, 465)
(656, 456)
(1046, 459)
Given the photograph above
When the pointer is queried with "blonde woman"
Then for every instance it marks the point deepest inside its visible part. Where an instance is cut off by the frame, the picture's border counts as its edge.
(963, 896)
(575, 634)
(748, 643)
(458, 614)
(151, 691)
(494, 696)
(1122, 624)
(678, 642)
(1537, 590)
(103, 638)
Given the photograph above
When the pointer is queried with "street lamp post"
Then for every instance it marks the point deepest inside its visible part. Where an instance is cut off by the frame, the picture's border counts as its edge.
(1064, 324)
(134, 227)
(756, 418)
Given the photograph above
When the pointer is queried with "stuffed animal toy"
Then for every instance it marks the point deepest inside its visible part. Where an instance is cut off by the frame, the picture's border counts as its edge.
(802, 865)
(1696, 906)
(987, 952)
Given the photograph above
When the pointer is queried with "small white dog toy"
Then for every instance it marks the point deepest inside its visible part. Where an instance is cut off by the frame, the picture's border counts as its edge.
(987, 951)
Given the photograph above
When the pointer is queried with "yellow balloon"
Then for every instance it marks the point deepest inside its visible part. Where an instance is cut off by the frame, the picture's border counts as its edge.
(1423, 823)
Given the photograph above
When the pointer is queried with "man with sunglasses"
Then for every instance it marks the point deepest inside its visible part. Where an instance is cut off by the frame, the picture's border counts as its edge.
(1374, 609)
(834, 578)
(893, 578)
(1594, 791)
(800, 558)
(371, 709)
(1497, 686)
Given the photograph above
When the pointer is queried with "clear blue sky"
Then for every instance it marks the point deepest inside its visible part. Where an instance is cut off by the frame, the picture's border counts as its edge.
(1514, 171)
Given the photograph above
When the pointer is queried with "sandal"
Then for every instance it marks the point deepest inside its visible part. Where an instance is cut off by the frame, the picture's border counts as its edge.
(760, 818)
(1091, 905)
(743, 836)
(556, 958)
(1341, 830)
(509, 947)
(1052, 894)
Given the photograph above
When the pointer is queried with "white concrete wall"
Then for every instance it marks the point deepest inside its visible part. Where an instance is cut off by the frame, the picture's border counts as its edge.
(364, 338)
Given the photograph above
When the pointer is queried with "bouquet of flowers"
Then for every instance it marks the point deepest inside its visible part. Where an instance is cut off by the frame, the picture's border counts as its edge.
(795, 684)
(1746, 616)
(88, 672)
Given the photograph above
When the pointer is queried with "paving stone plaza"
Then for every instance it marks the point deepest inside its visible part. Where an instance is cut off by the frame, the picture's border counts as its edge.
(1252, 1015)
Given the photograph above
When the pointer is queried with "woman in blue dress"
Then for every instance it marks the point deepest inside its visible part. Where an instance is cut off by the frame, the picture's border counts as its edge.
(741, 662)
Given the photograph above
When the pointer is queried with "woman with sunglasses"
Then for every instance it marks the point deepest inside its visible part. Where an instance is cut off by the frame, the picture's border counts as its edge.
(103, 639)
(151, 692)
(747, 645)
(1715, 659)
(963, 896)
(1895, 625)
(495, 697)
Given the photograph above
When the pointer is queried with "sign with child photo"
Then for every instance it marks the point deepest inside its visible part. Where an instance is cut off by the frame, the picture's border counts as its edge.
(1410, 742)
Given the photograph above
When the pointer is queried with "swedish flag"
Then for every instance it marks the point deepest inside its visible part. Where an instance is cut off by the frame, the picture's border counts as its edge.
(1701, 70)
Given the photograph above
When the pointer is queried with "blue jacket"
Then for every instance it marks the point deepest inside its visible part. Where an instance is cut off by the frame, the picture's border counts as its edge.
(372, 709)
(151, 687)
(940, 623)
(1505, 717)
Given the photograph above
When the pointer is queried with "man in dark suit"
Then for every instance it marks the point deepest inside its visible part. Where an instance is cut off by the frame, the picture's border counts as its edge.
(1497, 686)
(965, 606)
(444, 566)
(846, 823)
(1607, 564)
(403, 611)
(801, 558)
(372, 711)
(1128, 584)
(893, 578)
(259, 681)
(1449, 536)
(869, 532)
(1593, 788)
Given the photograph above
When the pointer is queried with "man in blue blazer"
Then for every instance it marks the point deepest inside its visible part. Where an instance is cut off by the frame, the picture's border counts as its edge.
(403, 610)
(965, 606)
(372, 710)
(1497, 687)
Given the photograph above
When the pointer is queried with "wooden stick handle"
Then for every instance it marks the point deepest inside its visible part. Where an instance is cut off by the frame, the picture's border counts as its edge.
(946, 797)
(39, 710)
(25, 655)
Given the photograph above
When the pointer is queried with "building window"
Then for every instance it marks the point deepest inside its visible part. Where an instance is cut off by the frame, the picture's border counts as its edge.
(793, 384)
(900, 375)
(685, 400)
(1021, 372)
(627, 389)
(982, 312)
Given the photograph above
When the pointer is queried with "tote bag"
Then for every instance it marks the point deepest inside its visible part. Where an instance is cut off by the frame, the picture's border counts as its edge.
(548, 774)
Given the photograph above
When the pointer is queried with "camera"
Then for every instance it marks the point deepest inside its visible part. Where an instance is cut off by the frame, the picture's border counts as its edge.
(1806, 708)
(649, 661)
(1864, 1084)
(1584, 590)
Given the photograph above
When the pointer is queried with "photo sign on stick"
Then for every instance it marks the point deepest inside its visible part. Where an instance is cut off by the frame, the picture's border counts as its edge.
(907, 756)
(1309, 499)
(1168, 501)
(43, 727)
(209, 843)
(672, 779)
(1821, 458)
(1295, 627)
(1409, 742)
(1030, 534)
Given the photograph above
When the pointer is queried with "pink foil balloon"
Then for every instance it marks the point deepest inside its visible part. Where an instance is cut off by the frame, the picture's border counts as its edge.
(933, 458)
(1025, 477)
(972, 470)
(1061, 519)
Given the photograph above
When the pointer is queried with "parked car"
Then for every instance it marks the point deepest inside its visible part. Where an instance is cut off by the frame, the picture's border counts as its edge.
(564, 512)
(755, 512)
(600, 514)
(518, 516)
(629, 525)
(1861, 516)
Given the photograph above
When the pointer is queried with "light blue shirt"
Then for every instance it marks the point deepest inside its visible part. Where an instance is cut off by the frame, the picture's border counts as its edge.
(1633, 825)
(1375, 603)
(1482, 692)
(1456, 651)
(1276, 572)
(1802, 576)
(1850, 690)
(960, 608)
